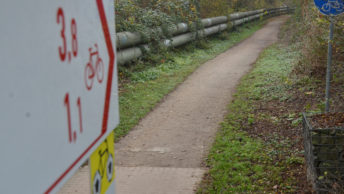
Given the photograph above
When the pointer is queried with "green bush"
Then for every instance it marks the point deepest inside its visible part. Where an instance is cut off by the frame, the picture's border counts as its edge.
(215, 8)
(144, 15)
(313, 30)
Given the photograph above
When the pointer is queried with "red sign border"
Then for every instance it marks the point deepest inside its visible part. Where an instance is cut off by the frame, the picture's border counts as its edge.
(111, 53)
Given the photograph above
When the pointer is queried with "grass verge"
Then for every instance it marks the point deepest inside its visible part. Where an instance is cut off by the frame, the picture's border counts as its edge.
(253, 152)
(259, 148)
(148, 86)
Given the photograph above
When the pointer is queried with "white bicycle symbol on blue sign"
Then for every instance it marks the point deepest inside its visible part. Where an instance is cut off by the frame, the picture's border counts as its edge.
(330, 7)
(333, 4)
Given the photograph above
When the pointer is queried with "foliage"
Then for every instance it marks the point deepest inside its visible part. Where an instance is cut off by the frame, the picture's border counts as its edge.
(241, 162)
(215, 8)
(134, 15)
(314, 33)
(146, 16)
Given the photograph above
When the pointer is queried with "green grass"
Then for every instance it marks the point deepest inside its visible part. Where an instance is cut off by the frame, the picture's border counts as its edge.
(238, 162)
(148, 86)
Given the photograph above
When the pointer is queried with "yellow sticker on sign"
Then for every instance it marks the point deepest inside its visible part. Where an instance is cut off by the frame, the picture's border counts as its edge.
(102, 166)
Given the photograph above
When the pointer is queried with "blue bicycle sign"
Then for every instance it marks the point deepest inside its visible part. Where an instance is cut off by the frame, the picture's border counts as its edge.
(330, 7)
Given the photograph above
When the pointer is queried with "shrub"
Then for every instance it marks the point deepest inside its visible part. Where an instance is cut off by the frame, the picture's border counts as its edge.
(314, 33)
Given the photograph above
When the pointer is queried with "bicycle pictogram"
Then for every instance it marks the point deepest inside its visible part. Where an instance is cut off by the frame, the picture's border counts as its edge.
(94, 68)
(106, 168)
(333, 4)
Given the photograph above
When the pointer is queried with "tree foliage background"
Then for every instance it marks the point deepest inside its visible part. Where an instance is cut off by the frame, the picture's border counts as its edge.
(212, 8)
(313, 32)
(139, 14)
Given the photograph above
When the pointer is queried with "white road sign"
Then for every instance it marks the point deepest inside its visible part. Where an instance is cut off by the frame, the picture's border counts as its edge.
(58, 85)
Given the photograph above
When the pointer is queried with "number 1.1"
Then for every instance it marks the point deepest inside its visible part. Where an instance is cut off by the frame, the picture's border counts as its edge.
(72, 135)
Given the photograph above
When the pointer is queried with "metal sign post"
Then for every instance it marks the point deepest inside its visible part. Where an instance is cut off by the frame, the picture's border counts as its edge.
(328, 70)
(330, 8)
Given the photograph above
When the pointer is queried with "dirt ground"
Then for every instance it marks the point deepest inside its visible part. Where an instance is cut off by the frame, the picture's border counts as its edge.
(173, 140)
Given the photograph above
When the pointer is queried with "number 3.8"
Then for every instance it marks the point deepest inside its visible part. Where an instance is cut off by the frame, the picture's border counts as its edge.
(60, 19)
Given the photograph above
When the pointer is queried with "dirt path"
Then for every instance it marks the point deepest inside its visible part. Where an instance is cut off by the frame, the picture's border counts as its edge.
(164, 153)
